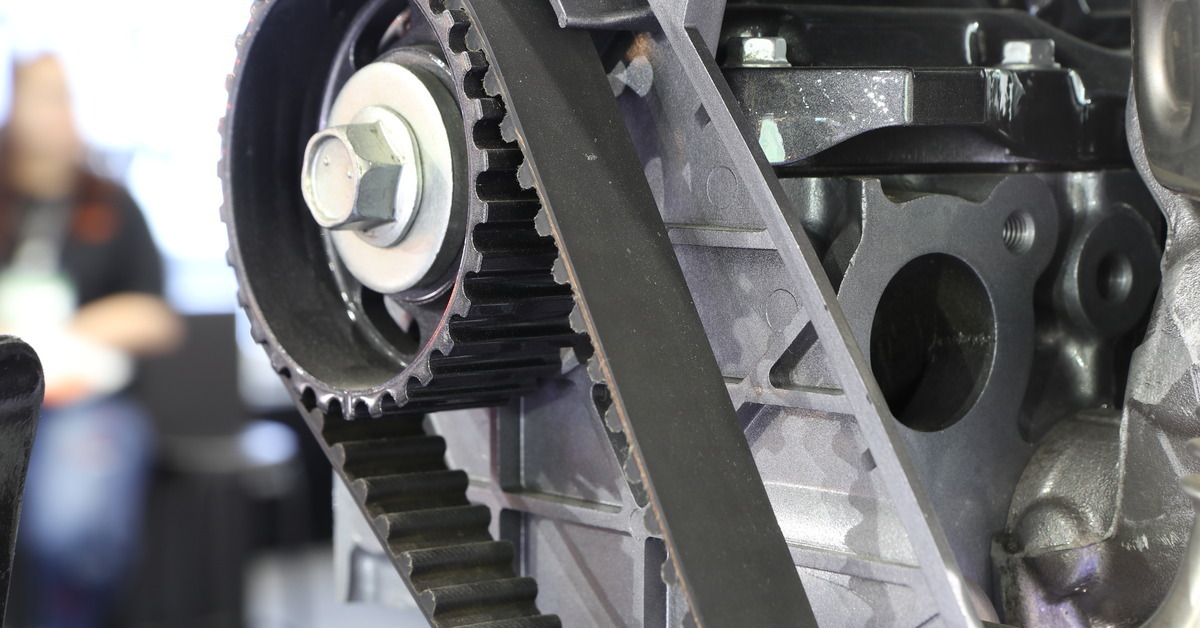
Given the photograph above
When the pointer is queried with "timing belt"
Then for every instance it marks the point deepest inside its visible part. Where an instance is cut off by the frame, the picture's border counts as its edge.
(651, 352)
(437, 539)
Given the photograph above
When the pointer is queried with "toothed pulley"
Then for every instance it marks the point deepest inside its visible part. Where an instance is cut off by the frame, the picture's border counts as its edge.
(381, 227)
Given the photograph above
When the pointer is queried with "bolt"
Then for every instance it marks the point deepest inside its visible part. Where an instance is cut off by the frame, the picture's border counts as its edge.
(352, 175)
(750, 52)
(1034, 53)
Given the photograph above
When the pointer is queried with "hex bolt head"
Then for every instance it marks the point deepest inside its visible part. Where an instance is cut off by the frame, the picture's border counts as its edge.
(350, 177)
(1030, 53)
(762, 52)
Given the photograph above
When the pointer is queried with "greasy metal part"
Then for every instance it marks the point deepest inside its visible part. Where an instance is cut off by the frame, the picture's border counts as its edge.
(1094, 298)
(643, 326)
(814, 292)
(949, 37)
(833, 105)
(1166, 53)
(1098, 509)
(21, 390)
(961, 78)
(1060, 513)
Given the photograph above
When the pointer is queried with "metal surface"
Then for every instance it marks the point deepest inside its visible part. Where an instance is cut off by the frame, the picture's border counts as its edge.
(1166, 38)
(961, 77)
(1181, 608)
(757, 52)
(1035, 53)
(774, 360)
(415, 231)
(814, 292)
(1093, 300)
(1098, 507)
(352, 175)
(21, 390)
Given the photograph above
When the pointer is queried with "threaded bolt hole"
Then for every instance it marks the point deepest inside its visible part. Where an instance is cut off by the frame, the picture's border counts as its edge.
(1018, 232)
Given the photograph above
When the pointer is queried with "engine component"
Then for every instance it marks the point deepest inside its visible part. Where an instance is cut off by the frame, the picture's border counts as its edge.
(1180, 608)
(348, 168)
(1060, 540)
(1167, 91)
(908, 243)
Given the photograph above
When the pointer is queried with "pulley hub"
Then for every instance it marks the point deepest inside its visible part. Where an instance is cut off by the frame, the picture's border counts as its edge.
(364, 177)
(380, 177)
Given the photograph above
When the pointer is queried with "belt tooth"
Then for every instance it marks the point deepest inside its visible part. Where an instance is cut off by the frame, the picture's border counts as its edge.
(473, 400)
(424, 562)
(505, 157)
(434, 526)
(537, 621)
(482, 332)
(384, 456)
(508, 210)
(457, 597)
(444, 486)
(460, 564)
(335, 431)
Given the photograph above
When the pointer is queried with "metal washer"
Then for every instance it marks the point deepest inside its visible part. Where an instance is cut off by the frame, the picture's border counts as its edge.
(430, 111)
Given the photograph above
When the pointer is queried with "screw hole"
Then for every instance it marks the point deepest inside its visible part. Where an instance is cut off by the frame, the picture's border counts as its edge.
(1018, 232)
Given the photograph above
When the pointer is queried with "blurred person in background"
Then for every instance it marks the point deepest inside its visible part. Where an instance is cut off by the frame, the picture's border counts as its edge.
(81, 281)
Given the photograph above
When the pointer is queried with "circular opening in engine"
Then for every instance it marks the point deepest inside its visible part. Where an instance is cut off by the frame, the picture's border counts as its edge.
(1114, 277)
(1018, 232)
(932, 341)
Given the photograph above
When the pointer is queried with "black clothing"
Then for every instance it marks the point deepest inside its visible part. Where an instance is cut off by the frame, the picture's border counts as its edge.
(109, 253)
(104, 246)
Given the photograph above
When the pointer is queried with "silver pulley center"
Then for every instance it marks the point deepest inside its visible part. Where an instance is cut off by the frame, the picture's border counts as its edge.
(379, 176)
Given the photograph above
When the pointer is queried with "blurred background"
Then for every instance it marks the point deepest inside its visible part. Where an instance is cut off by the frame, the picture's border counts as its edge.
(231, 524)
